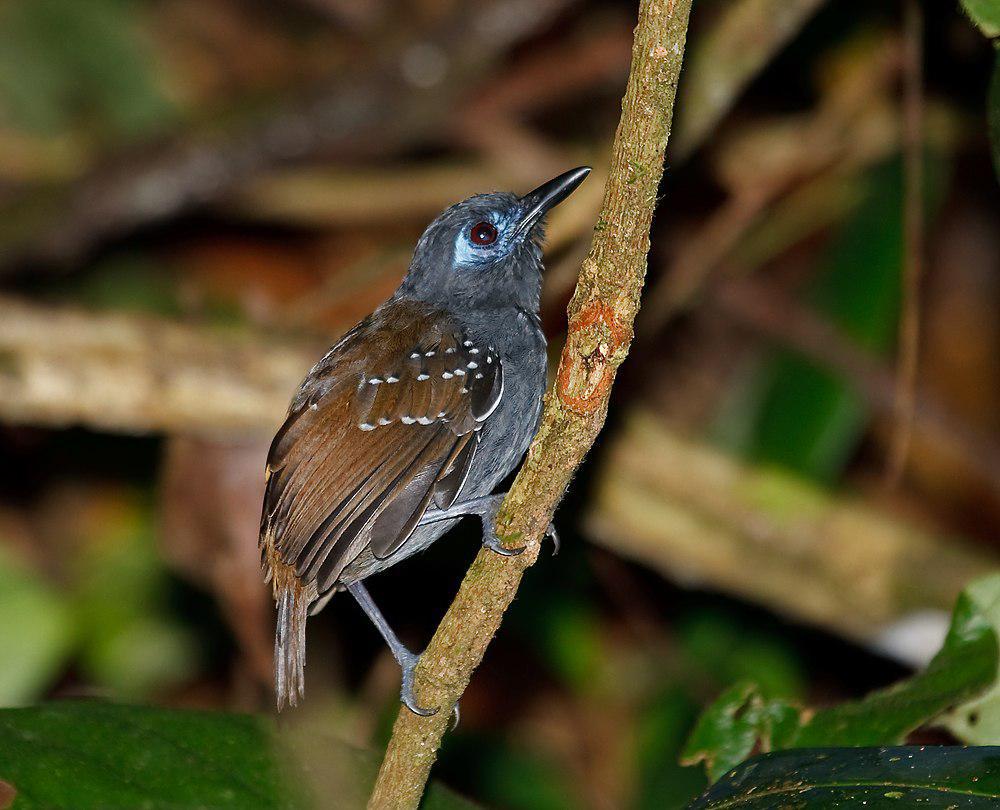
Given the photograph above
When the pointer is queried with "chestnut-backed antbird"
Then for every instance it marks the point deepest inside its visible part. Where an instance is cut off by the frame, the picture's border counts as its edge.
(411, 421)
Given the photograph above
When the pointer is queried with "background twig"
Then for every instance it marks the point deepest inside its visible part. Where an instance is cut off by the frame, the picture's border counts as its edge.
(913, 227)
(601, 315)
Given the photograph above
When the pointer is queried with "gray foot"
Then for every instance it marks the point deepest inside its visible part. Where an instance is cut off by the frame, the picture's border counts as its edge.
(408, 663)
(486, 508)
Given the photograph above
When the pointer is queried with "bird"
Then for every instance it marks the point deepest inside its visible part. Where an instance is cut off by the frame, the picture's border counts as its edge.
(410, 421)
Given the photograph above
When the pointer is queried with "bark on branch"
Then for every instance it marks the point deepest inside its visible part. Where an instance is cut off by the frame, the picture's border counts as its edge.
(601, 316)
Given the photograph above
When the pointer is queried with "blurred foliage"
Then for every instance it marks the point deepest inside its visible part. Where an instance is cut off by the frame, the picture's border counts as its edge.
(132, 640)
(808, 418)
(64, 63)
(36, 631)
(114, 617)
(743, 719)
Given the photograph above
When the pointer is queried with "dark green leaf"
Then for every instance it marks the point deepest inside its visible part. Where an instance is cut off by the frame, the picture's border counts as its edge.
(925, 776)
(83, 756)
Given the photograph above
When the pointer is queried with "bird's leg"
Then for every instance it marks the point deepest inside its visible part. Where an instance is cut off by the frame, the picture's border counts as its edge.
(406, 660)
(485, 508)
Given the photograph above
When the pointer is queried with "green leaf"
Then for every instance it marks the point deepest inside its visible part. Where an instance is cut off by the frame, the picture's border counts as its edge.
(84, 756)
(873, 778)
(964, 667)
(742, 720)
(36, 632)
(977, 721)
(738, 722)
(985, 14)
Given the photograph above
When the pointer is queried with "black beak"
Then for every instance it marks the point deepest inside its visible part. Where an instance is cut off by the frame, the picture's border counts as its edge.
(547, 196)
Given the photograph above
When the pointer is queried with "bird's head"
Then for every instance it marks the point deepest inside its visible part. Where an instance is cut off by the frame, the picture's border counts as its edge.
(485, 252)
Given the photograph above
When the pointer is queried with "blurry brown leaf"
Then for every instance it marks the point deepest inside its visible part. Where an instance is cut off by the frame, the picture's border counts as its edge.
(960, 361)
(7, 795)
(211, 498)
(215, 50)
(260, 279)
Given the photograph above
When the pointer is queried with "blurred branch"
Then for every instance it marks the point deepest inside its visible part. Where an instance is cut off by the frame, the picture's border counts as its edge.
(132, 373)
(702, 518)
(398, 100)
(493, 122)
(600, 330)
(913, 238)
(744, 38)
(776, 316)
(330, 197)
(847, 128)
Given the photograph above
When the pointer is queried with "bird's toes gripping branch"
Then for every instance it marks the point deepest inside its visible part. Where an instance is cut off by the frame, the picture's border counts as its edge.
(408, 663)
(487, 512)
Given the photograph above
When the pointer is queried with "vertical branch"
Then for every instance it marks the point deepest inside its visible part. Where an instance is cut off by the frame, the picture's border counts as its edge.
(913, 238)
(601, 317)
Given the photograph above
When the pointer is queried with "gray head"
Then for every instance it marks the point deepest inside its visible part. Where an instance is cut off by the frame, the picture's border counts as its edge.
(485, 252)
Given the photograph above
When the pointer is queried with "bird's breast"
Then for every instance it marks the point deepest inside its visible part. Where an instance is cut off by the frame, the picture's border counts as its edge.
(508, 432)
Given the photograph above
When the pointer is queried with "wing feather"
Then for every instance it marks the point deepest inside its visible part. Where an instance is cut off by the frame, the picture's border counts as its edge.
(387, 422)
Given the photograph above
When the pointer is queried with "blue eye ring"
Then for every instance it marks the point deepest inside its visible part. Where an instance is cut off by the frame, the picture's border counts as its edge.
(483, 234)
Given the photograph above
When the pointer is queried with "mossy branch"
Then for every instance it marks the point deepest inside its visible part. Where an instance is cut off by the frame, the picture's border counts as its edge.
(601, 316)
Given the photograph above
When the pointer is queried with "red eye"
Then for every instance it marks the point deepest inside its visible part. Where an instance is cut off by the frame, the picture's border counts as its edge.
(483, 233)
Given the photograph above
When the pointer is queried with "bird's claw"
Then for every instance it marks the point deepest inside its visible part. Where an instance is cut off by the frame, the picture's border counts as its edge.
(553, 535)
(492, 542)
(406, 696)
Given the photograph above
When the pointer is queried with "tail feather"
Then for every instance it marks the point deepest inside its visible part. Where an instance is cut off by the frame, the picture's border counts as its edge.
(290, 645)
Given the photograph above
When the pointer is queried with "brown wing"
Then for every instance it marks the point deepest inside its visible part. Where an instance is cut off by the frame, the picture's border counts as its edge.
(387, 421)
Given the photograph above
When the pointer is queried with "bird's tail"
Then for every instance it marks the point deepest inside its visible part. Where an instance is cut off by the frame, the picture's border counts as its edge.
(289, 634)
(290, 646)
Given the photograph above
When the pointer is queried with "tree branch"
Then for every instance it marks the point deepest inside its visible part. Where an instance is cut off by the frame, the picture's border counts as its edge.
(137, 373)
(601, 316)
